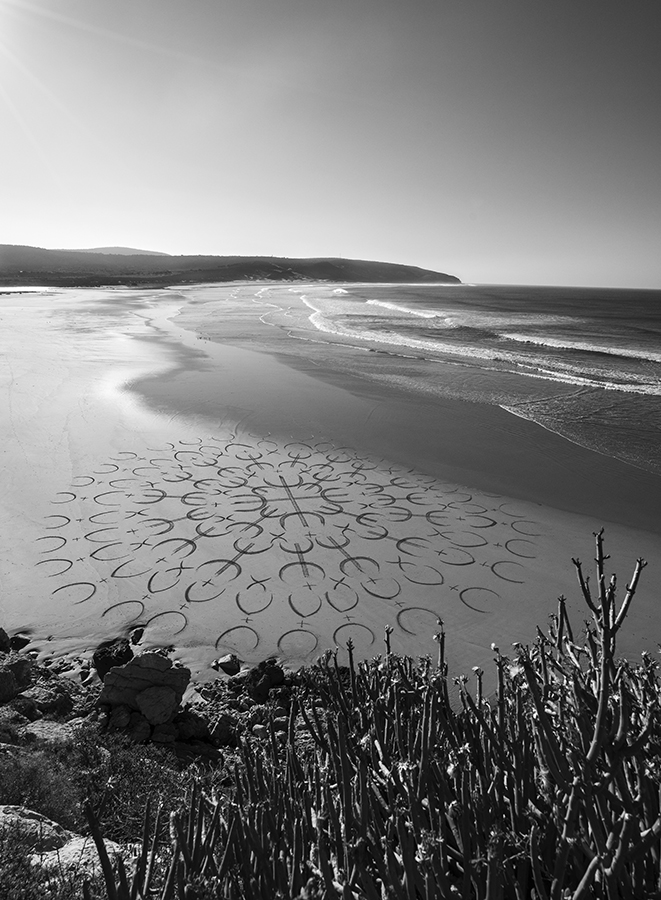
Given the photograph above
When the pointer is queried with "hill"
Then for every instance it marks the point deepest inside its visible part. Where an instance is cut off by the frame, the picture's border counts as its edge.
(20, 265)
(121, 251)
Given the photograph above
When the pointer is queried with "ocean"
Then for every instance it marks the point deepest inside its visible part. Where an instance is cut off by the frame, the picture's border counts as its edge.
(585, 363)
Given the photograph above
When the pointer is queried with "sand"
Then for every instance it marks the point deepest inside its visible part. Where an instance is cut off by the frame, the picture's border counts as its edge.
(180, 461)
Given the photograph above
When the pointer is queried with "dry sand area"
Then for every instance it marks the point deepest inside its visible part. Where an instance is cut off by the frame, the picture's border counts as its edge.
(181, 461)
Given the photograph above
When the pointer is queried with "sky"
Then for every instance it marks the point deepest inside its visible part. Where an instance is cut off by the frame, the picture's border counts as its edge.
(503, 141)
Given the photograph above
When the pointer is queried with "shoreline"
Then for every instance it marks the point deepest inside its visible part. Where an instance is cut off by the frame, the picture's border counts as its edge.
(234, 502)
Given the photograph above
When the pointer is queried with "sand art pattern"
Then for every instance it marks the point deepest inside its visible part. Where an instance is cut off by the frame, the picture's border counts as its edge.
(256, 547)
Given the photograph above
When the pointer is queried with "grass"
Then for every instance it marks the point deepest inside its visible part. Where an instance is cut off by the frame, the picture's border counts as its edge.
(549, 789)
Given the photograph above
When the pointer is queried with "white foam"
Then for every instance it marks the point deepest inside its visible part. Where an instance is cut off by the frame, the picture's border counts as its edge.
(557, 344)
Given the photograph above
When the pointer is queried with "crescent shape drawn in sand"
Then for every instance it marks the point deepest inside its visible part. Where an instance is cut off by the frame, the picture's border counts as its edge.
(530, 529)
(67, 521)
(68, 494)
(191, 546)
(353, 625)
(342, 601)
(74, 584)
(171, 613)
(409, 609)
(455, 556)
(476, 594)
(125, 603)
(114, 574)
(305, 606)
(293, 638)
(83, 481)
(52, 537)
(517, 551)
(233, 630)
(95, 553)
(506, 562)
(382, 588)
(46, 562)
(250, 608)
(188, 594)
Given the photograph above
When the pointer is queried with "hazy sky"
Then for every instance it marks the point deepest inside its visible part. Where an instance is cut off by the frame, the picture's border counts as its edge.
(499, 140)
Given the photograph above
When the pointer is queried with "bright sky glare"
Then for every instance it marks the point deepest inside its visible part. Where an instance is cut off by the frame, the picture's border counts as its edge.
(503, 141)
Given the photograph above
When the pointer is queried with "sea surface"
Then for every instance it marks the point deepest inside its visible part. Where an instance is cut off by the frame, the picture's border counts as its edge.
(585, 363)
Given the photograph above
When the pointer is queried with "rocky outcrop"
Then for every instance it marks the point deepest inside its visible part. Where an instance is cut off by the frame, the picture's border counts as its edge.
(111, 653)
(53, 847)
(142, 697)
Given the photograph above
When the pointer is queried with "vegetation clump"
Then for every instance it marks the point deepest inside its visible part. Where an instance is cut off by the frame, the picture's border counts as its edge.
(381, 787)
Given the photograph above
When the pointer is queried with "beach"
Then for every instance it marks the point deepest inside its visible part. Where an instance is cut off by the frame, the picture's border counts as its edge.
(209, 465)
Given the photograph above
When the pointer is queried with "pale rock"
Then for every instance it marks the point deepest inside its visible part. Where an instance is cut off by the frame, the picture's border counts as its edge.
(79, 854)
(123, 684)
(40, 832)
(50, 734)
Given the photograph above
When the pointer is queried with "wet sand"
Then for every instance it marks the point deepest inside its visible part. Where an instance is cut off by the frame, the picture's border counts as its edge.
(169, 472)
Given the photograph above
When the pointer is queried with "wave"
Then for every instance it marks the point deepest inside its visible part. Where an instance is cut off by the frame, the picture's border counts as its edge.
(564, 344)
(547, 369)
(422, 313)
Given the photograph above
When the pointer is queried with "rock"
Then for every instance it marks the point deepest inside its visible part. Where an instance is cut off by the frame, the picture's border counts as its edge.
(275, 675)
(191, 726)
(52, 699)
(110, 654)
(260, 731)
(18, 641)
(139, 729)
(224, 730)
(281, 724)
(51, 734)
(40, 833)
(8, 686)
(229, 664)
(5, 645)
(123, 684)
(120, 717)
(78, 855)
(165, 734)
(157, 704)
(26, 707)
(21, 667)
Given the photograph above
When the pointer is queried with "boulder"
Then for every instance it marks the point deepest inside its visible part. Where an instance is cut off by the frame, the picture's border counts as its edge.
(165, 734)
(138, 729)
(39, 833)
(111, 653)
(18, 641)
(8, 686)
(191, 726)
(123, 684)
(224, 730)
(158, 704)
(5, 646)
(51, 699)
(120, 717)
(49, 734)
(79, 855)
(229, 664)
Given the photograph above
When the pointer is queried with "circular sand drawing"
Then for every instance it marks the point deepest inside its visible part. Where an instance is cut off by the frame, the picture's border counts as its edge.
(257, 547)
